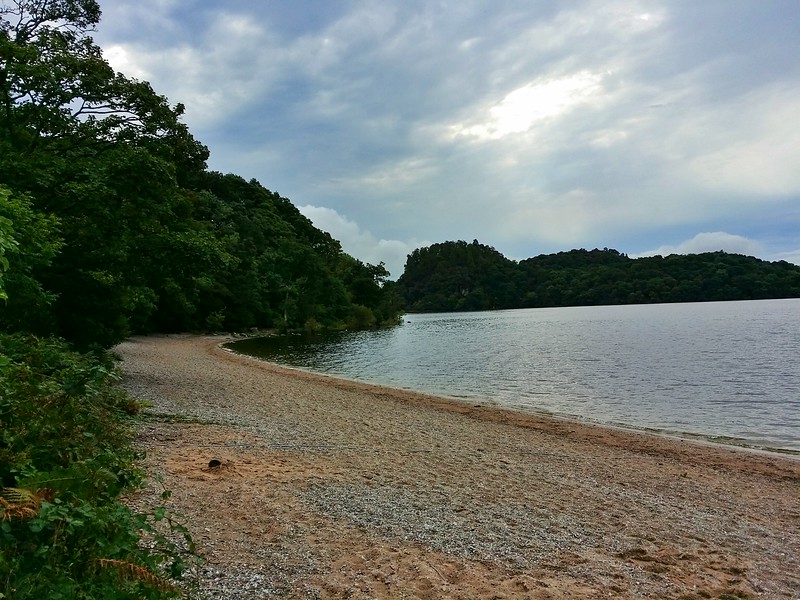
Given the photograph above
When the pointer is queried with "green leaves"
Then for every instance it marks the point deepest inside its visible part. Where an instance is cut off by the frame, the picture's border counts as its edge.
(28, 243)
(7, 245)
(65, 458)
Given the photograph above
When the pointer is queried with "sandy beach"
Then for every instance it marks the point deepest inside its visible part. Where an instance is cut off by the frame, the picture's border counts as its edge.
(330, 488)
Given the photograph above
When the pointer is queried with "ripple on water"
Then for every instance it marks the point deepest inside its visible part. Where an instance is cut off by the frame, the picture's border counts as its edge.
(722, 370)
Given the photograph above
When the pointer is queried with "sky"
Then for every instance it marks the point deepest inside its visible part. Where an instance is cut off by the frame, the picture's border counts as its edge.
(647, 126)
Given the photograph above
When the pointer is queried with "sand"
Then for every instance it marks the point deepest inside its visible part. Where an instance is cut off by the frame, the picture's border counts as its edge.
(329, 488)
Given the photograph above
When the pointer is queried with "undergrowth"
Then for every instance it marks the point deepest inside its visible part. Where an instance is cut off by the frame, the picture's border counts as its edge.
(66, 457)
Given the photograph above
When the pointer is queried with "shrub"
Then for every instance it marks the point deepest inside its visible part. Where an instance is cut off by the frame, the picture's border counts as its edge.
(362, 318)
(65, 458)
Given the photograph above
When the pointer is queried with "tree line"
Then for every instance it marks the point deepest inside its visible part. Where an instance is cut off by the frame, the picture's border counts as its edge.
(458, 276)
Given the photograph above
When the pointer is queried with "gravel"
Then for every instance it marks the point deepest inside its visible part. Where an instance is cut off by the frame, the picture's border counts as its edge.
(333, 489)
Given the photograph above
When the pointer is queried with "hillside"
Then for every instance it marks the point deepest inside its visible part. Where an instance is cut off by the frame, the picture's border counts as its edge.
(457, 276)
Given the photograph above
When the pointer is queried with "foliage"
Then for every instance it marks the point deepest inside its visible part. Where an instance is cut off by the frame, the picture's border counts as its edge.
(148, 240)
(28, 243)
(8, 243)
(455, 276)
(65, 458)
(287, 272)
(458, 276)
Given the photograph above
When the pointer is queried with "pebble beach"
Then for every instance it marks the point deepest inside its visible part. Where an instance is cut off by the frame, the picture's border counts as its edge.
(329, 488)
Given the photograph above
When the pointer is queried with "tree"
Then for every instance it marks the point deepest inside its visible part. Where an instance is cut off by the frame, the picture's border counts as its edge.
(461, 276)
(28, 243)
(58, 90)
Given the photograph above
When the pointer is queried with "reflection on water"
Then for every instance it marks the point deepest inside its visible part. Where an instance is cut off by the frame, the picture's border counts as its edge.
(720, 369)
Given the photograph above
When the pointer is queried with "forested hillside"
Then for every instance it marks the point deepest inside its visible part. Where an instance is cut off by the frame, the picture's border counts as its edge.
(455, 276)
(111, 224)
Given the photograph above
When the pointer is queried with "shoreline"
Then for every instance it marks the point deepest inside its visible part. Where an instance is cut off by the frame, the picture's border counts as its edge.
(336, 488)
(460, 403)
(701, 438)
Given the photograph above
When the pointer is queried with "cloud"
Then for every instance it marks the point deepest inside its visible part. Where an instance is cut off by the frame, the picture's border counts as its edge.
(793, 256)
(362, 244)
(218, 65)
(709, 242)
(122, 60)
(391, 176)
(750, 150)
(618, 123)
(537, 101)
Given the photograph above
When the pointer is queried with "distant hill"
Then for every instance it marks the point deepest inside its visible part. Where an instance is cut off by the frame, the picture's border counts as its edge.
(461, 276)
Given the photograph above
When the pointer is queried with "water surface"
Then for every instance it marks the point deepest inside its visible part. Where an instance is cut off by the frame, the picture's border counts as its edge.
(728, 371)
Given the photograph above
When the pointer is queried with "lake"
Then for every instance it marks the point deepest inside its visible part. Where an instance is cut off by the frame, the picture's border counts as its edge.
(724, 371)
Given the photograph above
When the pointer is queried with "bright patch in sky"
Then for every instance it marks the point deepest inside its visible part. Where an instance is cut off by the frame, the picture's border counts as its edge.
(537, 101)
(120, 60)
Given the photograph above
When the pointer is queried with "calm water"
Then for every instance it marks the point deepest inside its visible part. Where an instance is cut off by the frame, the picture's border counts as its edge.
(720, 370)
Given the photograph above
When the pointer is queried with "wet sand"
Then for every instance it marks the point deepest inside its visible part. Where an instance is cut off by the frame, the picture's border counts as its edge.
(331, 488)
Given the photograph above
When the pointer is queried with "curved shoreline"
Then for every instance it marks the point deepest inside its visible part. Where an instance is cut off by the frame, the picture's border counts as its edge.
(463, 404)
(336, 488)
(786, 446)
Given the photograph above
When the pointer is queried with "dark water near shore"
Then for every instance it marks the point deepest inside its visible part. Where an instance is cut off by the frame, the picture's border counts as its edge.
(727, 371)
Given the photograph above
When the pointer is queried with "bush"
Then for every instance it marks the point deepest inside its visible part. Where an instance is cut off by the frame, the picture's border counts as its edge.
(65, 458)
(362, 318)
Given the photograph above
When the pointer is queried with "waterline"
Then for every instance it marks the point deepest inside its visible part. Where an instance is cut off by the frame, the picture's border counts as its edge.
(726, 371)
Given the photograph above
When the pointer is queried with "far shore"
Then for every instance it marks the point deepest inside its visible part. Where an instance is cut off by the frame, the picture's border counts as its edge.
(335, 488)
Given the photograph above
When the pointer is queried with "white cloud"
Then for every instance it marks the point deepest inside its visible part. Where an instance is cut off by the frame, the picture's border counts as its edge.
(362, 244)
(537, 101)
(710, 242)
(550, 219)
(390, 177)
(219, 68)
(792, 256)
(750, 146)
(122, 60)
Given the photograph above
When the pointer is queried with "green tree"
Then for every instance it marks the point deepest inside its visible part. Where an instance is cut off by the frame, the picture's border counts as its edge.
(460, 276)
(28, 243)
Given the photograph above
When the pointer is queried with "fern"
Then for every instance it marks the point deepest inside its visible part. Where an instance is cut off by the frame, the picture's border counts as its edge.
(20, 504)
(133, 572)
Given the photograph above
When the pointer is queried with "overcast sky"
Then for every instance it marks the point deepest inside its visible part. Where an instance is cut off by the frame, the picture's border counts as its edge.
(533, 126)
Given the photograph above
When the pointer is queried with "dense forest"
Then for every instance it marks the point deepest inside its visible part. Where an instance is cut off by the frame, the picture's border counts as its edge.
(111, 224)
(457, 276)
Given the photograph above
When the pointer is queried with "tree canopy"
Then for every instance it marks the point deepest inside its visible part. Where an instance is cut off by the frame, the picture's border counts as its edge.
(454, 276)
(124, 229)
